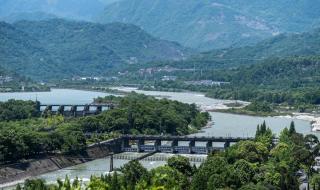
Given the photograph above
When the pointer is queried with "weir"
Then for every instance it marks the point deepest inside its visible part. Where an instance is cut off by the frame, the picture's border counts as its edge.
(138, 144)
(74, 110)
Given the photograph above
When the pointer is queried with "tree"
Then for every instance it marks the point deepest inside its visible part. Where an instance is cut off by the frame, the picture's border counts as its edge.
(292, 129)
(165, 177)
(115, 183)
(212, 166)
(244, 171)
(315, 182)
(133, 171)
(181, 164)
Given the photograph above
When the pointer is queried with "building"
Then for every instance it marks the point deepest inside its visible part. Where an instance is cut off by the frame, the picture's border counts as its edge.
(169, 78)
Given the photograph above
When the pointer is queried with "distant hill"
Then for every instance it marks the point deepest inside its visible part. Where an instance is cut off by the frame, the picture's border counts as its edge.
(23, 54)
(284, 45)
(215, 24)
(12, 82)
(59, 48)
(198, 24)
(280, 72)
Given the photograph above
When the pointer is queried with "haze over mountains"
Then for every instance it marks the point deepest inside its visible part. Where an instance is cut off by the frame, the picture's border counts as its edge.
(203, 25)
(213, 24)
(55, 40)
(70, 9)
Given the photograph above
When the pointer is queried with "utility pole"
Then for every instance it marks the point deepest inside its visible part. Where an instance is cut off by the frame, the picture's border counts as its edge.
(111, 163)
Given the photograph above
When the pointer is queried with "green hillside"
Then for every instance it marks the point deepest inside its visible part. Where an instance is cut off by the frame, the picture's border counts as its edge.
(198, 24)
(291, 80)
(214, 24)
(284, 45)
(58, 48)
(12, 82)
(24, 54)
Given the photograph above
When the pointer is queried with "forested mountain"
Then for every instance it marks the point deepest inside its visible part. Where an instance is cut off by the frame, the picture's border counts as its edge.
(23, 54)
(55, 48)
(286, 15)
(292, 80)
(199, 24)
(71, 9)
(213, 24)
(12, 82)
(284, 45)
(280, 72)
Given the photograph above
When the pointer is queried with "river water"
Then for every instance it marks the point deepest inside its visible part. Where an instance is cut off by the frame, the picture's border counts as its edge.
(224, 124)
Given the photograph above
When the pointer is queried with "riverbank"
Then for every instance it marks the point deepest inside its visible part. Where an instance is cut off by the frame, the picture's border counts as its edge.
(16, 173)
(240, 111)
(314, 119)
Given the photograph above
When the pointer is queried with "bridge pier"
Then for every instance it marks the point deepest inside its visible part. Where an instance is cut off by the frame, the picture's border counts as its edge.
(157, 145)
(61, 110)
(226, 145)
(111, 163)
(140, 142)
(124, 144)
(209, 146)
(99, 109)
(73, 111)
(47, 110)
(191, 145)
(86, 110)
(174, 144)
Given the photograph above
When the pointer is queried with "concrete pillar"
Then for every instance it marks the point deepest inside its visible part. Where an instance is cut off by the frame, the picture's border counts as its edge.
(209, 146)
(111, 163)
(38, 106)
(226, 145)
(61, 110)
(99, 109)
(140, 142)
(191, 145)
(73, 111)
(173, 145)
(47, 110)
(157, 145)
(86, 110)
(124, 144)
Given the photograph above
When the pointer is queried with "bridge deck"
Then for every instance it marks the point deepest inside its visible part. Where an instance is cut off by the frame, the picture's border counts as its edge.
(185, 138)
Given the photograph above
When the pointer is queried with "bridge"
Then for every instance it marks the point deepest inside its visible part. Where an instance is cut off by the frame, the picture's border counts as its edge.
(74, 110)
(188, 144)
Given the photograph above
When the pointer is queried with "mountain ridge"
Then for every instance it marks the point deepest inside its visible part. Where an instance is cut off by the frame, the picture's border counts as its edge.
(49, 49)
(215, 24)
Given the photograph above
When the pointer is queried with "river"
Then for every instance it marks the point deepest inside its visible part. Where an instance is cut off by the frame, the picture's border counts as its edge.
(224, 124)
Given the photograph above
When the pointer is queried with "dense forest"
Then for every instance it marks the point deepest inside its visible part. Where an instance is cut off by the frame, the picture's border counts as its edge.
(23, 133)
(55, 49)
(258, 164)
(292, 81)
(215, 24)
(12, 82)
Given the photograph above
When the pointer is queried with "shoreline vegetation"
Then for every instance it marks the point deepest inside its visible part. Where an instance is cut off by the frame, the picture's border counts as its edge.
(26, 89)
(136, 114)
(232, 108)
(23, 133)
(253, 164)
